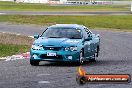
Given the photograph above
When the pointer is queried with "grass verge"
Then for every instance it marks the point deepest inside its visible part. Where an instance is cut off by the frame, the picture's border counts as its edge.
(44, 7)
(11, 44)
(10, 49)
(120, 22)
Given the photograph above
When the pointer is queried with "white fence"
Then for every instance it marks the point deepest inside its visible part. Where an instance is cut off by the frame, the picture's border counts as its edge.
(32, 1)
(131, 6)
(122, 2)
(6, 0)
(72, 2)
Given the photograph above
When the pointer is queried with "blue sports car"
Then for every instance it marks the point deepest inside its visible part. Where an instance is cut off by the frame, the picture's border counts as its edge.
(65, 43)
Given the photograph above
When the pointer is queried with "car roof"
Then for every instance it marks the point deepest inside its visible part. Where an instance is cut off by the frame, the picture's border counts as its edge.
(67, 25)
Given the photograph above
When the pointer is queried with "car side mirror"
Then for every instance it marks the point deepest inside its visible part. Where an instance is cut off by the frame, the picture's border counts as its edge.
(97, 35)
(89, 37)
(36, 36)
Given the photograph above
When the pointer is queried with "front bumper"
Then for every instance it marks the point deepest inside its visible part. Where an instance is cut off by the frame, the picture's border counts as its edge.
(41, 55)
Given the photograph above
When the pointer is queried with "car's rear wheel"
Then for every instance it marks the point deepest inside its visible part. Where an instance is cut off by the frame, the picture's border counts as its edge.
(97, 51)
(34, 63)
(81, 58)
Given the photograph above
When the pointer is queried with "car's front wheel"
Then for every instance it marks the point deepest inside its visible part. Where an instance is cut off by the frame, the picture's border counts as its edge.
(34, 63)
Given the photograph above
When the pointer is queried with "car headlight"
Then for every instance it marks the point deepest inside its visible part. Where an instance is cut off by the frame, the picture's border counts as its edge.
(72, 48)
(37, 47)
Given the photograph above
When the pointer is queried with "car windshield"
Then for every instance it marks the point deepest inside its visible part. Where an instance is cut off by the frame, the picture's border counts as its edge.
(62, 32)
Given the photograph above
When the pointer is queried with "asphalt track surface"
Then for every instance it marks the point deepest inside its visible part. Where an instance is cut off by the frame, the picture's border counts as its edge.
(64, 13)
(115, 57)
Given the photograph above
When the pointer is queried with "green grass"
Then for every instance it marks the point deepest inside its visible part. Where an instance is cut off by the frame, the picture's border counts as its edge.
(43, 7)
(121, 22)
(10, 49)
(11, 44)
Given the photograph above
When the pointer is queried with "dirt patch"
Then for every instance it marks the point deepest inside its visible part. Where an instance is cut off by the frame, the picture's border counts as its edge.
(6, 38)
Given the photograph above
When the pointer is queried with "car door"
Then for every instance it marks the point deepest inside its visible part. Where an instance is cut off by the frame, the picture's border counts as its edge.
(88, 45)
(94, 43)
(92, 50)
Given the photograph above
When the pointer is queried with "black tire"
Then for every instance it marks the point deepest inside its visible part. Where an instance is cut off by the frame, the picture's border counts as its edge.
(34, 63)
(98, 49)
(94, 58)
(81, 58)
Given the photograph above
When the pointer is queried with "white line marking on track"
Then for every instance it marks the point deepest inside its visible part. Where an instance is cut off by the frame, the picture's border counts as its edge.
(31, 36)
(3, 32)
(43, 82)
(43, 74)
(18, 34)
(128, 32)
(2, 13)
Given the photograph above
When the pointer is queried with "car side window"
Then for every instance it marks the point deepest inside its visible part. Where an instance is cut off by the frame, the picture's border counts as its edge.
(86, 29)
(89, 33)
(85, 33)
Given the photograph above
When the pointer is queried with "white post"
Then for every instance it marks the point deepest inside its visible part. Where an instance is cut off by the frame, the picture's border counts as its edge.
(131, 6)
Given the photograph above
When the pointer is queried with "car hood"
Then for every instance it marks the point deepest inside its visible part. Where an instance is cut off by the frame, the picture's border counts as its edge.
(57, 41)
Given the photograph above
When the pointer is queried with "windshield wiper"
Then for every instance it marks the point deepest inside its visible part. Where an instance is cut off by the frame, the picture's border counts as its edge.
(55, 37)
(74, 38)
